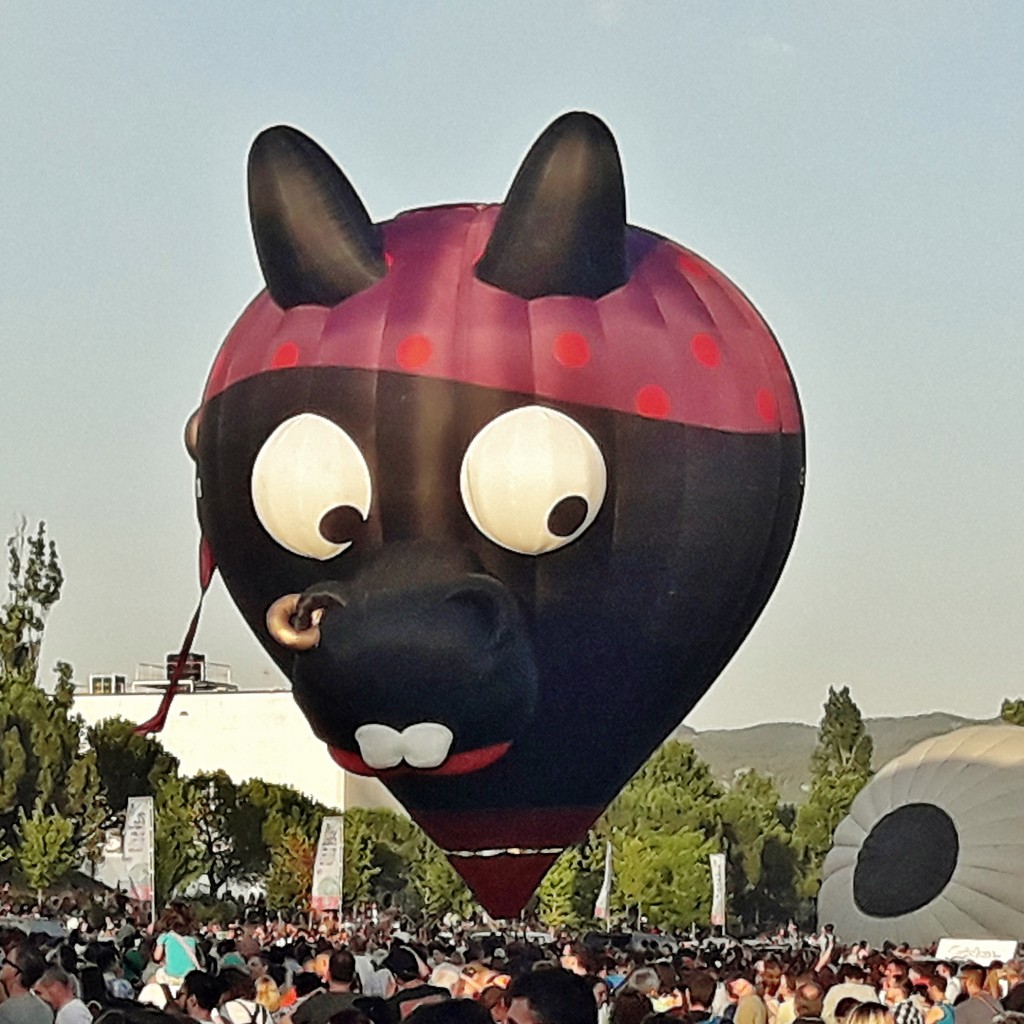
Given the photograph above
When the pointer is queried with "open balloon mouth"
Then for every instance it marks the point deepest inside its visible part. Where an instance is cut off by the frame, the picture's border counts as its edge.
(456, 764)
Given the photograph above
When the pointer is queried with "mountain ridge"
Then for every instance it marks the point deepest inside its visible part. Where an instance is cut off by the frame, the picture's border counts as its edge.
(783, 749)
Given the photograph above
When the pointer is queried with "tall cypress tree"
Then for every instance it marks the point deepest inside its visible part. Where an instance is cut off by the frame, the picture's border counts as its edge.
(42, 768)
(840, 768)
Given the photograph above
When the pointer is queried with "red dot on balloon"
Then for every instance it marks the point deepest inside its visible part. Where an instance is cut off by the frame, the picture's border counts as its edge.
(766, 406)
(690, 266)
(705, 350)
(652, 401)
(389, 260)
(413, 351)
(287, 354)
(572, 349)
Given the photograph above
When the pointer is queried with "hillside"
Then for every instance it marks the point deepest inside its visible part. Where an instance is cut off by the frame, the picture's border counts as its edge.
(783, 749)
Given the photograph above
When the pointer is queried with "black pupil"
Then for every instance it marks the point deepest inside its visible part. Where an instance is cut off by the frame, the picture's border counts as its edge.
(567, 516)
(906, 860)
(340, 524)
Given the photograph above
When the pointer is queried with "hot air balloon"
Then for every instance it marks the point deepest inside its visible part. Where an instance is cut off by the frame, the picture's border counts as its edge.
(500, 488)
(933, 846)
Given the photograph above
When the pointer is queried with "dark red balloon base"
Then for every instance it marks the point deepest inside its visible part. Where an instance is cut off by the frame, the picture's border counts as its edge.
(502, 855)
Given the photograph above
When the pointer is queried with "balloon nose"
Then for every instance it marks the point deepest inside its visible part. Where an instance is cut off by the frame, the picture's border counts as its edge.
(491, 604)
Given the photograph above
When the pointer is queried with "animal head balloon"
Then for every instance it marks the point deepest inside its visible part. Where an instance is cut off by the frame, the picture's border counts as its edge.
(501, 489)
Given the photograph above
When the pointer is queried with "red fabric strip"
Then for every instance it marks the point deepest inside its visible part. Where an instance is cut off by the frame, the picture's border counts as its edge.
(159, 720)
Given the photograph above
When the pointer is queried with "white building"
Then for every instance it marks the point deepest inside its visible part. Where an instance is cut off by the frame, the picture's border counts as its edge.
(249, 734)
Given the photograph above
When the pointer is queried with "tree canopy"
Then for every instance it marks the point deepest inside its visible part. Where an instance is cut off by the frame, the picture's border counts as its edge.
(840, 768)
(43, 771)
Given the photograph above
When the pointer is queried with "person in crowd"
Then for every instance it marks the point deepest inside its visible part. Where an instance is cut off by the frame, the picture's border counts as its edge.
(944, 969)
(408, 990)
(340, 993)
(870, 1013)
(980, 1006)
(238, 1000)
(176, 947)
(452, 1011)
(643, 979)
(939, 1010)
(995, 979)
(699, 990)
(750, 1007)
(852, 981)
(578, 959)
(899, 997)
(353, 1015)
(769, 985)
(554, 996)
(304, 985)
(199, 995)
(630, 1006)
(785, 1010)
(56, 988)
(495, 1000)
(268, 995)
(602, 996)
(22, 968)
(844, 1008)
(372, 982)
(807, 1002)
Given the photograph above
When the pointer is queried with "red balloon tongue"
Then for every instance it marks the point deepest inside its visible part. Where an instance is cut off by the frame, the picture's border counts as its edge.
(503, 883)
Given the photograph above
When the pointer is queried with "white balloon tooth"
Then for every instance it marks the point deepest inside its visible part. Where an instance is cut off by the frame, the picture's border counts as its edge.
(380, 746)
(427, 744)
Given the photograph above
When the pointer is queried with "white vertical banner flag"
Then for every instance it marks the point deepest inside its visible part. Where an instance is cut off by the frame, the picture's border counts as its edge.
(718, 889)
(138, 847)
(605, 895)
(329, 865)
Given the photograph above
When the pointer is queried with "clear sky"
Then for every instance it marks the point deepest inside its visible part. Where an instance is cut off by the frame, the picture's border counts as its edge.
(858, 169)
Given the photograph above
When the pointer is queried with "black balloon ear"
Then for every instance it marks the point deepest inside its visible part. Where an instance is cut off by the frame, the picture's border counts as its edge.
(315, 241)
(562, 229)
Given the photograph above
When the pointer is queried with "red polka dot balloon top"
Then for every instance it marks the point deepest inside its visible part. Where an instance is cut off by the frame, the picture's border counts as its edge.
(677, 341)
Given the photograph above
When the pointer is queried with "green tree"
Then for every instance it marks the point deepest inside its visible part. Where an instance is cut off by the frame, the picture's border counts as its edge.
(675, 789)
(47, 849)
(566, 896)
(840, 768)
(129, 765)
(213, 801)
(289, 880)
(365, 829)
(1012, 711)
(663, 876)
(42, 764)
(434, 885)
(662, 827)
(178, 858)
(34, 582)
(263, 814)
(761, 858)
(556, 894)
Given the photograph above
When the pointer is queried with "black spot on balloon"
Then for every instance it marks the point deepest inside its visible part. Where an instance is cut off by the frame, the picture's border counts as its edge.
(341, 524)
(567, 516)
(906, 860)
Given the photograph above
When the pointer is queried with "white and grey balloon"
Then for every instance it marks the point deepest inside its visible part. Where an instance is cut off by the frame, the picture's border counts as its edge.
(933, 846)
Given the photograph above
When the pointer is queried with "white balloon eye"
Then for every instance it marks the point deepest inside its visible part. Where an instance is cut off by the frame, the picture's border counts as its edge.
(533, 480)
(311, 486)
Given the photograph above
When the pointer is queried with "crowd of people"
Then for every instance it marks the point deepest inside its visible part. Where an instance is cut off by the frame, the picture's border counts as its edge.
(372, 972)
